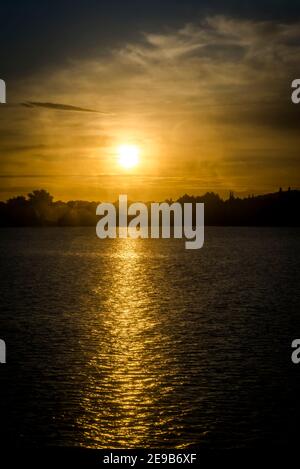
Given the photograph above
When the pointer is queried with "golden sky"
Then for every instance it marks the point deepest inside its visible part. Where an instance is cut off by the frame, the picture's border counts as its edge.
(208, 105)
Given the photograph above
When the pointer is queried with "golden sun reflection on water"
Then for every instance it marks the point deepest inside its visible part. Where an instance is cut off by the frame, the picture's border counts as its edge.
(128, 377)
(141, 343)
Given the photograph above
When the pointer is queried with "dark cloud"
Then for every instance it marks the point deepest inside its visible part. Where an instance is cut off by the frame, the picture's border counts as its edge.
(57, 106)
(21, 148)
(280, 116)
(42, 34)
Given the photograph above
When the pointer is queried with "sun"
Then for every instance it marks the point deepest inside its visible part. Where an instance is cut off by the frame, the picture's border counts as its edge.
(128, 156)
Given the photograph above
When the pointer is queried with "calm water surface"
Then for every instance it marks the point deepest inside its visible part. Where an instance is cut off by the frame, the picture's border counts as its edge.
(141, 343)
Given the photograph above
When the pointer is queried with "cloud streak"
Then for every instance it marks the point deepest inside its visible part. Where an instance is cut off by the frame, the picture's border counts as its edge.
(60, 107)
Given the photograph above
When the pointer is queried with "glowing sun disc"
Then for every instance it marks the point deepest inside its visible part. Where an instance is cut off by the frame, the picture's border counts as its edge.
(128, 156)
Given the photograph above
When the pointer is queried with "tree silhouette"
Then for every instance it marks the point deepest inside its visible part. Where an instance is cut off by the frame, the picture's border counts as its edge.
(39, 209)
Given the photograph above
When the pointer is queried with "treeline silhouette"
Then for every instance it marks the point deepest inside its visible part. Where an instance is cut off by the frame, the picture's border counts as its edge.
(39, 209)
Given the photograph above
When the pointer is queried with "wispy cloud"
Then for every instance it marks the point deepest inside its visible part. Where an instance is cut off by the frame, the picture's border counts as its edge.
(59, 107)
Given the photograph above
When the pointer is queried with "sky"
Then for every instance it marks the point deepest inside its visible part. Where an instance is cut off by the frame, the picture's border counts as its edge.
(201, 88)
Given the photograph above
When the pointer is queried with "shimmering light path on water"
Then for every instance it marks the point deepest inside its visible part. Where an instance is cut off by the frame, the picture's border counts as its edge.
(141, 343)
